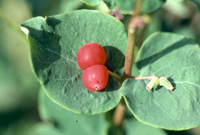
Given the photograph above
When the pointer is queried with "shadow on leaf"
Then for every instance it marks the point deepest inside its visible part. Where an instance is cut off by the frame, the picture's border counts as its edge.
(45, 48)
(114, 58)
(112, 85)
(144, 62)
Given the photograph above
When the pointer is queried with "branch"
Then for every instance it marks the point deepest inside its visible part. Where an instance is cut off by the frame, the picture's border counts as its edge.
(119, 113)
(133, 25)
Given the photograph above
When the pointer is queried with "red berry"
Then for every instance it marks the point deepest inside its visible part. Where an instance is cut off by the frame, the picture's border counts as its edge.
(90, 54)
(95, 78)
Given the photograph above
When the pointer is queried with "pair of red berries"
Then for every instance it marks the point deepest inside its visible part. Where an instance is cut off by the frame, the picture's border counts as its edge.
(90, 58)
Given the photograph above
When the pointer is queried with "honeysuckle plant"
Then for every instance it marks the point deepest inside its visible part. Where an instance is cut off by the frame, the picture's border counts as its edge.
(128, 103)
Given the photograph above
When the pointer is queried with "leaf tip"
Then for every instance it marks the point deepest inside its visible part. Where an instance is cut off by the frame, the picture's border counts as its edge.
(24, 29)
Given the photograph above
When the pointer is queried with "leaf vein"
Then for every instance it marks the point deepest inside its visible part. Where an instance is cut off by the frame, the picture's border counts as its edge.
(53, 52)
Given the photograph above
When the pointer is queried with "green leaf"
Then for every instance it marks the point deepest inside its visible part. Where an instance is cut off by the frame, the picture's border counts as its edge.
(114, 58)
(197, 3)
(54, 43)
(177, 57)
(134, 127)
(127, 6)
(67, 122)
(92, 2)
(186, 31)
(69, 5)
(44, 129)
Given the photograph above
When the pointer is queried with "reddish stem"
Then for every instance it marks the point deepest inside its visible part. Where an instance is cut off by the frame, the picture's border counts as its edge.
(133, 25)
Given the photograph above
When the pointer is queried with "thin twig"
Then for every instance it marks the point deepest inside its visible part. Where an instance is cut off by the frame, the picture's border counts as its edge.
(115, 76)
(133, 25)
(119, 113)
(13, 25)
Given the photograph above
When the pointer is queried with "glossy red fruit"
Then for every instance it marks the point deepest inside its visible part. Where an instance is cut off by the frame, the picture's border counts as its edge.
(95, 78)
(90, 54)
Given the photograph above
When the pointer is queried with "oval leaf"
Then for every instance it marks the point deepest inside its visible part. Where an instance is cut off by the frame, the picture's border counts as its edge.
(127, 6)
(177, 57)
(54, 43)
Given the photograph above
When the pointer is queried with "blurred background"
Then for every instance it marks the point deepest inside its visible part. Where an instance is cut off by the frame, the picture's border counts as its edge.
(18, 86)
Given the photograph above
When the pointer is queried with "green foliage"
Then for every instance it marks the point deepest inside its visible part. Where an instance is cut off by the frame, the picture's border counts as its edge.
(134, 127)
(165, 54)
(127, 6)
(92, 2)
(66, 122)
(60, 121)
(69, 5)
(55, 40)
(54, 43)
